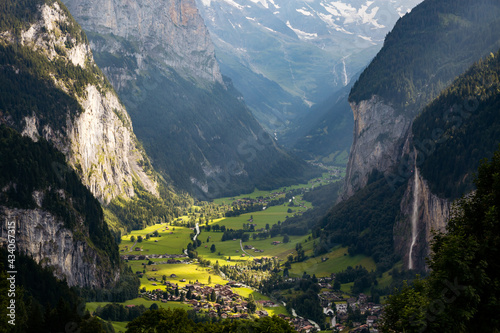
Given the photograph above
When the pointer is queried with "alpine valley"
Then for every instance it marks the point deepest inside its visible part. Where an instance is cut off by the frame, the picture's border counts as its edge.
(249, 166)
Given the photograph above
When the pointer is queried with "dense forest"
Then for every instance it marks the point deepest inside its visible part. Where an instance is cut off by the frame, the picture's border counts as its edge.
(462, 291)
(459, 128)
(178, 320)
(427, 49)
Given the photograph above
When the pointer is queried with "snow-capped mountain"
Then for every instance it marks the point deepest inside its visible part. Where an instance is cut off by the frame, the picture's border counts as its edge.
(286, 55)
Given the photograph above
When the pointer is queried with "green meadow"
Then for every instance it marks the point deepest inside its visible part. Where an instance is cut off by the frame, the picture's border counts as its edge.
(171, 241)
(190, 272)
(337, 260)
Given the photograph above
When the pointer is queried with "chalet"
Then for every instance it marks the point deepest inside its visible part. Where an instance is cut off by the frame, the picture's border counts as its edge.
(267, 304)
(307, 328)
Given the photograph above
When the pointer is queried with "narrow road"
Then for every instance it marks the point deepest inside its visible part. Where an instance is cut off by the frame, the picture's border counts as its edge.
(241, 245)
(197, 227)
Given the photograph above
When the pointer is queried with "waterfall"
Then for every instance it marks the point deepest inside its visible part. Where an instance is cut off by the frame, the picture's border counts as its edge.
(414, 218)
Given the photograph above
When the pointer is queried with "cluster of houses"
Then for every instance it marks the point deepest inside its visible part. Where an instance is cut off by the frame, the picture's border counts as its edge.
(300, 324)
(230, 305)
(337, 307)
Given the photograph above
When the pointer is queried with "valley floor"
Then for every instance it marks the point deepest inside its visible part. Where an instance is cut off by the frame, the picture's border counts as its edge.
(171, 279)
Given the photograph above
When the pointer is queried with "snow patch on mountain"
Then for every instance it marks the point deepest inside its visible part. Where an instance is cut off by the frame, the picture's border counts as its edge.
(262, 2)
(352, 15)
(304, 11)
(302, 34)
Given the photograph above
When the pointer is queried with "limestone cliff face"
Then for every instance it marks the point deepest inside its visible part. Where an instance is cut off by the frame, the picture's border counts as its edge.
(379, 136)
(45, 238)
(170, 32)
(432, 215)
(98, 141)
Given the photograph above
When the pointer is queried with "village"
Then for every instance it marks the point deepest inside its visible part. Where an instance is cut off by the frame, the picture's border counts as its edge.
(220, 301)
(349, 311)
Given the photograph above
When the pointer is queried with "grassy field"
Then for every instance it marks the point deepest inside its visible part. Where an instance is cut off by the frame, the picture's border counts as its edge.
(231, 248)
(338, 260)
(189, 272)
(269, 216)
(172, 240)
(119, 326)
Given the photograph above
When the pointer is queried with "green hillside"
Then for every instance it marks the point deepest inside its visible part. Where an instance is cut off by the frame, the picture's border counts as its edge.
(459, 128)
(427, 49)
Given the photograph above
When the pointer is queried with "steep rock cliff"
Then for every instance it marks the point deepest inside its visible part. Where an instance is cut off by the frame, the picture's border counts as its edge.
(379, 136)
(96, 133)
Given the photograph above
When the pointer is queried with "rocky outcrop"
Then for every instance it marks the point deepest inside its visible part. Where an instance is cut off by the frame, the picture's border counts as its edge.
(379, 136)
(43, 236)
(168, 33)
(97, 140)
